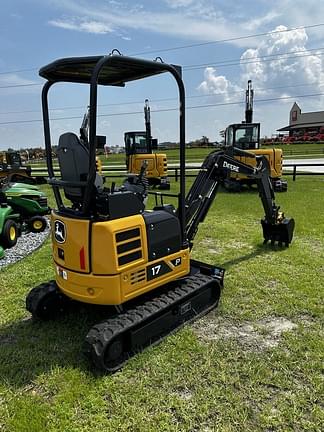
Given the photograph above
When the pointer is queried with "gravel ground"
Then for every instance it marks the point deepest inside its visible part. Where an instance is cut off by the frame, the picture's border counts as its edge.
(26, 244)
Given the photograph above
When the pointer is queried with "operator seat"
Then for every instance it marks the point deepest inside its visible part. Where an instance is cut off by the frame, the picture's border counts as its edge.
(73, 157)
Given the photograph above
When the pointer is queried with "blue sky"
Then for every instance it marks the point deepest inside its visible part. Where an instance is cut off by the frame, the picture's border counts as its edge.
(36, 32)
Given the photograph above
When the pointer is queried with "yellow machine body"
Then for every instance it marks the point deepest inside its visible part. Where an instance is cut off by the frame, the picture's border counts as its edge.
(274, 157)
(157, 165)
(107, 262)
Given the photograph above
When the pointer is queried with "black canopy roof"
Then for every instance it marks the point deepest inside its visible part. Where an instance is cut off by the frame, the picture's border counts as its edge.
(116, 72)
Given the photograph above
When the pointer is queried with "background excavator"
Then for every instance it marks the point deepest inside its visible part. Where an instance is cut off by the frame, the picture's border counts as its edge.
(246, 136)
(15, 171)
(12, 168)
(109, 250)
(139, 147)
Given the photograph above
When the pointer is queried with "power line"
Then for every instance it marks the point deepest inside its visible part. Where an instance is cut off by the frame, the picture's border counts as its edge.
(262, 59)
(195, 45)
(19, 85)
(225, 63)
(227, 40)
(248, 62)
(18, 71)
(257, 100)
(320, 84)
(167, 109)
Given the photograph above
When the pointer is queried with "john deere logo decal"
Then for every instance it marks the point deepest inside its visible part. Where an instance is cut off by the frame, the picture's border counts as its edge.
(59, 231)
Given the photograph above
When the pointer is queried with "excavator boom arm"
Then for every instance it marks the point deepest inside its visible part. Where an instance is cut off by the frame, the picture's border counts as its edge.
(249, 103)
(215, 169)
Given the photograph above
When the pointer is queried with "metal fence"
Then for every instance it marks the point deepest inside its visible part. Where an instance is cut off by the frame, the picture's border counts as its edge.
(191, 171)
(295, 166)
(292, 173)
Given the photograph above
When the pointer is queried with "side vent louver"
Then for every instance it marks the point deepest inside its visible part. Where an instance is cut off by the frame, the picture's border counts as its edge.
(129, 246)
(138, 276)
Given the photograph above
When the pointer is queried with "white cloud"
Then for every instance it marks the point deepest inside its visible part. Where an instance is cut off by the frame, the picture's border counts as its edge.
(79, 24)
(179, 3)
(16, 16)
(299, 12)
(203, 20)
(217, 85)
(204, 9)
(200, 20)
(275, 75)
(256, 23)
(267, 71)
(299, 66)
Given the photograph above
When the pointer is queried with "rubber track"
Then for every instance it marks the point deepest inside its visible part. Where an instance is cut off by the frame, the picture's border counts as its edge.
(40, 293)
(111, 329)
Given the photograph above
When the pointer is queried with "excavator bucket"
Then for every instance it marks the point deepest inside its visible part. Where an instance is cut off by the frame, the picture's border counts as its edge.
(281, 232)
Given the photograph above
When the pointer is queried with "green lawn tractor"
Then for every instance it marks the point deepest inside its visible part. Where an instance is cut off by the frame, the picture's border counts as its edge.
(30, 203)
(9, 225)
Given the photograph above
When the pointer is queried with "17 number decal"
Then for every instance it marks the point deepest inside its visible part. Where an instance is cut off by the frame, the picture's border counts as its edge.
(156, 270)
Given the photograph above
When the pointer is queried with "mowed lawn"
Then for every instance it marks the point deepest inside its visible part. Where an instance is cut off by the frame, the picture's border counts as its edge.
(253, 364)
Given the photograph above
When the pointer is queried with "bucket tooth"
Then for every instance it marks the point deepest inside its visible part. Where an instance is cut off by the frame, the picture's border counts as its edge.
(281, 232)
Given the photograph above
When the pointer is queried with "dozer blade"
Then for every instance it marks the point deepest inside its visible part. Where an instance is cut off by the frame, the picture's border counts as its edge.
(281, 232)
(111, 343)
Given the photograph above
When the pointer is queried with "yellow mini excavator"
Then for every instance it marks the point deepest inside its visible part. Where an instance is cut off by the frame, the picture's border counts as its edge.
(139, 147)
(12, 168)
(109, 250)
(246, 136)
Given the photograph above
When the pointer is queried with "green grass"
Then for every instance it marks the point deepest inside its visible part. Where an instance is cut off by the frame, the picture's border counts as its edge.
(186, 383)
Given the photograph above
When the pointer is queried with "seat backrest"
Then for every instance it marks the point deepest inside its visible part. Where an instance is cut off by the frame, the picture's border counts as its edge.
(73, 159)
